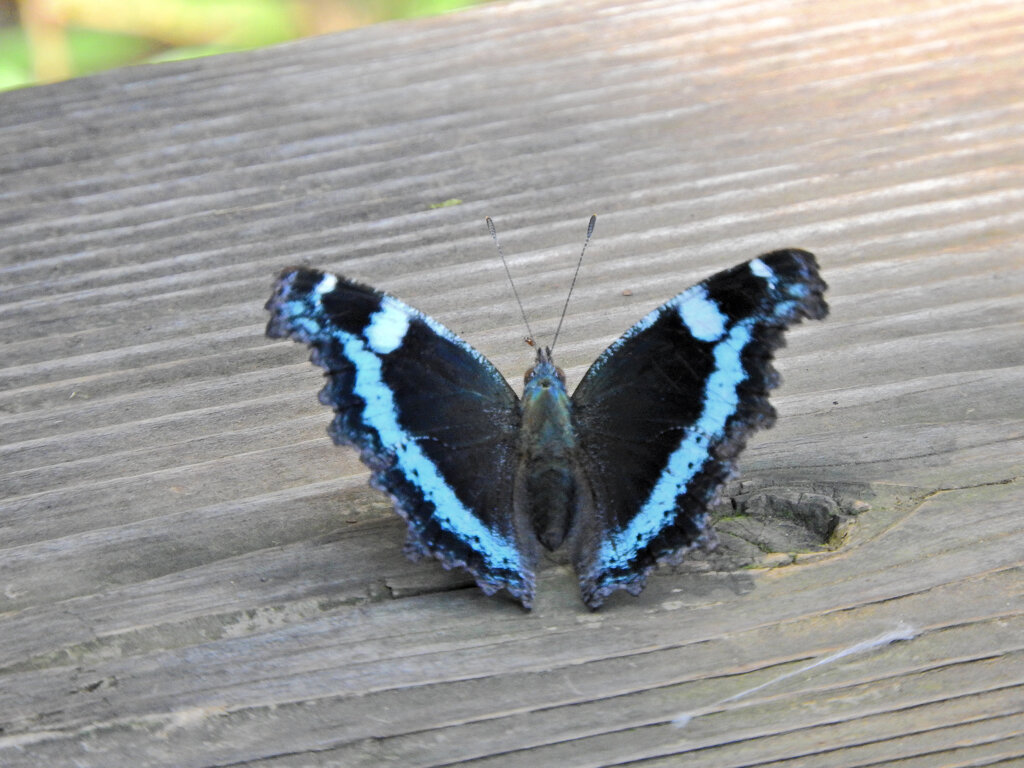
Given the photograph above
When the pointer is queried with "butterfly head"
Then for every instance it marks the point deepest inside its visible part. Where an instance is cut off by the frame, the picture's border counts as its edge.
(544, 373)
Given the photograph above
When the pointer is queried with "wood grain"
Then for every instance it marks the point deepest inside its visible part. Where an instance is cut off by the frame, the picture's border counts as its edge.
(194, 576)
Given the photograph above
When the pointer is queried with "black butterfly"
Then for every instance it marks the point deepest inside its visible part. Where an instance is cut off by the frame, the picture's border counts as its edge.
(622, 472)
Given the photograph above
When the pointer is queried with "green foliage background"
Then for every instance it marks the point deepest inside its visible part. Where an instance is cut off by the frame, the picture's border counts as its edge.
(47, 40)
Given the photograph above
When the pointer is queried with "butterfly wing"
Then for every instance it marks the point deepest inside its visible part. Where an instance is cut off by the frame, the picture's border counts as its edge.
(663, 413)
(435, 422)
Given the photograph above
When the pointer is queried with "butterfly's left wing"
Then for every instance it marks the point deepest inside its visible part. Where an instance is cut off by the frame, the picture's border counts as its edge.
(435, 422)
(663, 413)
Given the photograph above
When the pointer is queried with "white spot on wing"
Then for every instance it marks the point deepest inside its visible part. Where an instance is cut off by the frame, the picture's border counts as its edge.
(327, 284)
(387, 327)
(763, 271)
(701, 314)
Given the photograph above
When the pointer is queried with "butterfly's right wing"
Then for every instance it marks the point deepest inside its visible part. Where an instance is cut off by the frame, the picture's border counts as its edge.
(664, 411)
(435, 422)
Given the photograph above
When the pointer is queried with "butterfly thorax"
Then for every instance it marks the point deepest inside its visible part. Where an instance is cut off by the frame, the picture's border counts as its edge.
(548, 452)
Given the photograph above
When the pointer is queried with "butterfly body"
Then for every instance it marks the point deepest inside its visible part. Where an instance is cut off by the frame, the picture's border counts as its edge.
(621, 472)
(549, 454)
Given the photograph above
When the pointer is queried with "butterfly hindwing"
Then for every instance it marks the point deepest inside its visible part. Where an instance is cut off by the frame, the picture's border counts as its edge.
(435, 422)
(664, 411)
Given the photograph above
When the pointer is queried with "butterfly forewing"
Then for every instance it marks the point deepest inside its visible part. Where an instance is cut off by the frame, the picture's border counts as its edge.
(436, 423)
(664, 411)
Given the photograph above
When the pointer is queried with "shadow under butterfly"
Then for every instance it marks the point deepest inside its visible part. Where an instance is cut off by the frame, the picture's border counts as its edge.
(622, 472)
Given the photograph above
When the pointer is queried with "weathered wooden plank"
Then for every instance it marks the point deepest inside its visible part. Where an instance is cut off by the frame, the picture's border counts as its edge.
(194, 576)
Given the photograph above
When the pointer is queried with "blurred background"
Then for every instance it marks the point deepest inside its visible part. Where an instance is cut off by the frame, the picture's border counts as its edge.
(42, 41)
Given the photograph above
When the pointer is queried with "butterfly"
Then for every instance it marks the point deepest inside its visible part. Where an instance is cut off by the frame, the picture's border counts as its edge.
(622, 472)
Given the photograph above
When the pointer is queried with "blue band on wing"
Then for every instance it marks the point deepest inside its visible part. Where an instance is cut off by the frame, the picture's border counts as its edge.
(720, 398)
(381, 414)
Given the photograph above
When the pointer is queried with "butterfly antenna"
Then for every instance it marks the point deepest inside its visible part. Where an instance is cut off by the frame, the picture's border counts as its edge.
(494, 236)
(590, 231)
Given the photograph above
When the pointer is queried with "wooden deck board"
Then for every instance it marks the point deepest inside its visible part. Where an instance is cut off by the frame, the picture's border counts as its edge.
(193, 575)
